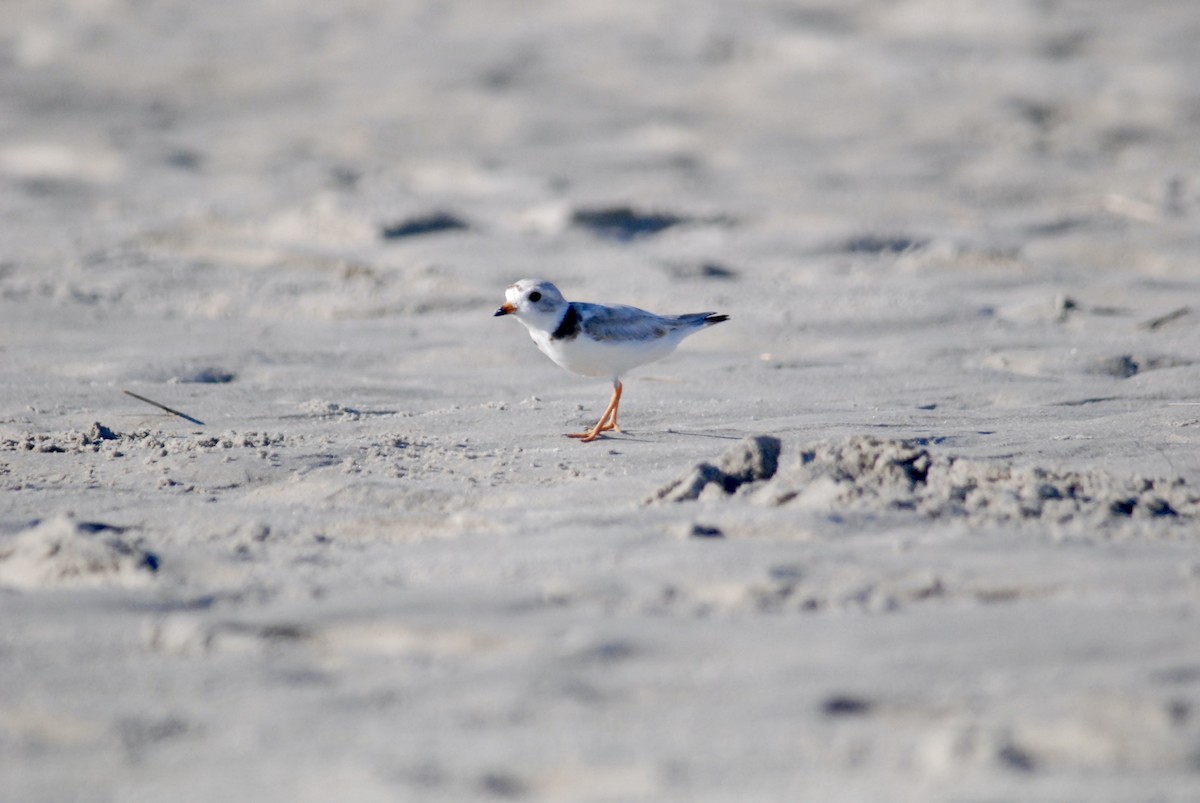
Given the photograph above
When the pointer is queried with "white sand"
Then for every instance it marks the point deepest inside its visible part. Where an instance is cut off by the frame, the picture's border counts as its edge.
(958, 244)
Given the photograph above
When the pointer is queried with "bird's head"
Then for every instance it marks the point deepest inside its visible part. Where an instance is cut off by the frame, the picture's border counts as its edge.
(534, 302)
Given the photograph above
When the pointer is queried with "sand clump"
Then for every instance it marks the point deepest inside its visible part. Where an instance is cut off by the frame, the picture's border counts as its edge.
(102, 439)
(750, 460)
(866, 474)
(63, 552)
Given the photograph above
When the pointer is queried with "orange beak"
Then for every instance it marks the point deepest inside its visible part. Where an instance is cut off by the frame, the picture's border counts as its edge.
(505, 309)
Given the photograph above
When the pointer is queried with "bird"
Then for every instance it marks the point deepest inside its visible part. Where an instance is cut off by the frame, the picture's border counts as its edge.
(597, 340)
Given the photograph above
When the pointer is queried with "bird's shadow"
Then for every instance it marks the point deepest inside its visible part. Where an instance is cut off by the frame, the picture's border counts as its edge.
(625, 435)
(705, 435)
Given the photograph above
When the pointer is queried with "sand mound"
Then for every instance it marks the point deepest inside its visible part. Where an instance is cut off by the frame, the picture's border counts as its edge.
(63, 552)
(750, 460)
(866, 474)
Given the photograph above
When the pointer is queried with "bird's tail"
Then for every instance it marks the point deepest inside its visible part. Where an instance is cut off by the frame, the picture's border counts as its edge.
(703, 318)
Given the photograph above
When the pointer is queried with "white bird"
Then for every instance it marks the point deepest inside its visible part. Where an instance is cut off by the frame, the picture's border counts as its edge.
(596, 340)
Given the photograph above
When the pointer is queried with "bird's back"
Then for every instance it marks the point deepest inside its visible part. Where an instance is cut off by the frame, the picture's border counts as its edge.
(611, 340)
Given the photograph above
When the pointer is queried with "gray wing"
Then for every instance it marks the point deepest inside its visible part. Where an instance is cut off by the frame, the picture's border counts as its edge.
(623, 323)
(631, 323)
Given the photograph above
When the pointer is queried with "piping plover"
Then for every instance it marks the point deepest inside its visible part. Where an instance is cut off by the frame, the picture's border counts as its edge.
(595, 340)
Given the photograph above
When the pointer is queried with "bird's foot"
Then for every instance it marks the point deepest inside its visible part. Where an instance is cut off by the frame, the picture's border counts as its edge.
(594, 432)
(608, 421)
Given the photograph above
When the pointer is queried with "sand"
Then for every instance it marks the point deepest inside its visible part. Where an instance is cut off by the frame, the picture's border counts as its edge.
(919, 523)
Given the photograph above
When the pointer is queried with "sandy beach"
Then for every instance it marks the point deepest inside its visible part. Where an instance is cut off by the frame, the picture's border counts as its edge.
(920, 522)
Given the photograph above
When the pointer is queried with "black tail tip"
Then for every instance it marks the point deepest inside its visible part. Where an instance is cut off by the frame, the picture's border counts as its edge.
(716, 319)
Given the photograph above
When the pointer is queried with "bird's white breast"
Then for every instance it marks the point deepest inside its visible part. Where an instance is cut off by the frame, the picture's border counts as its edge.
(583, 355)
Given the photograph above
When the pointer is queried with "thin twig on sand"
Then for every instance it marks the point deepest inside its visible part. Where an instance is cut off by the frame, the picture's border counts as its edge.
(184, 416)
(1163, 320)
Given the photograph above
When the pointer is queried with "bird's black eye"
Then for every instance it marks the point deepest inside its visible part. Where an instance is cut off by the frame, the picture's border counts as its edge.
(535, 296)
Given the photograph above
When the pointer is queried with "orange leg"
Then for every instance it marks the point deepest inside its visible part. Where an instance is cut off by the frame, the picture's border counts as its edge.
(607, 421)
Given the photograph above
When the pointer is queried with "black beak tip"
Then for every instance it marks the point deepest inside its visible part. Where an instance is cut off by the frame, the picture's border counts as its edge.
(499, 312)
